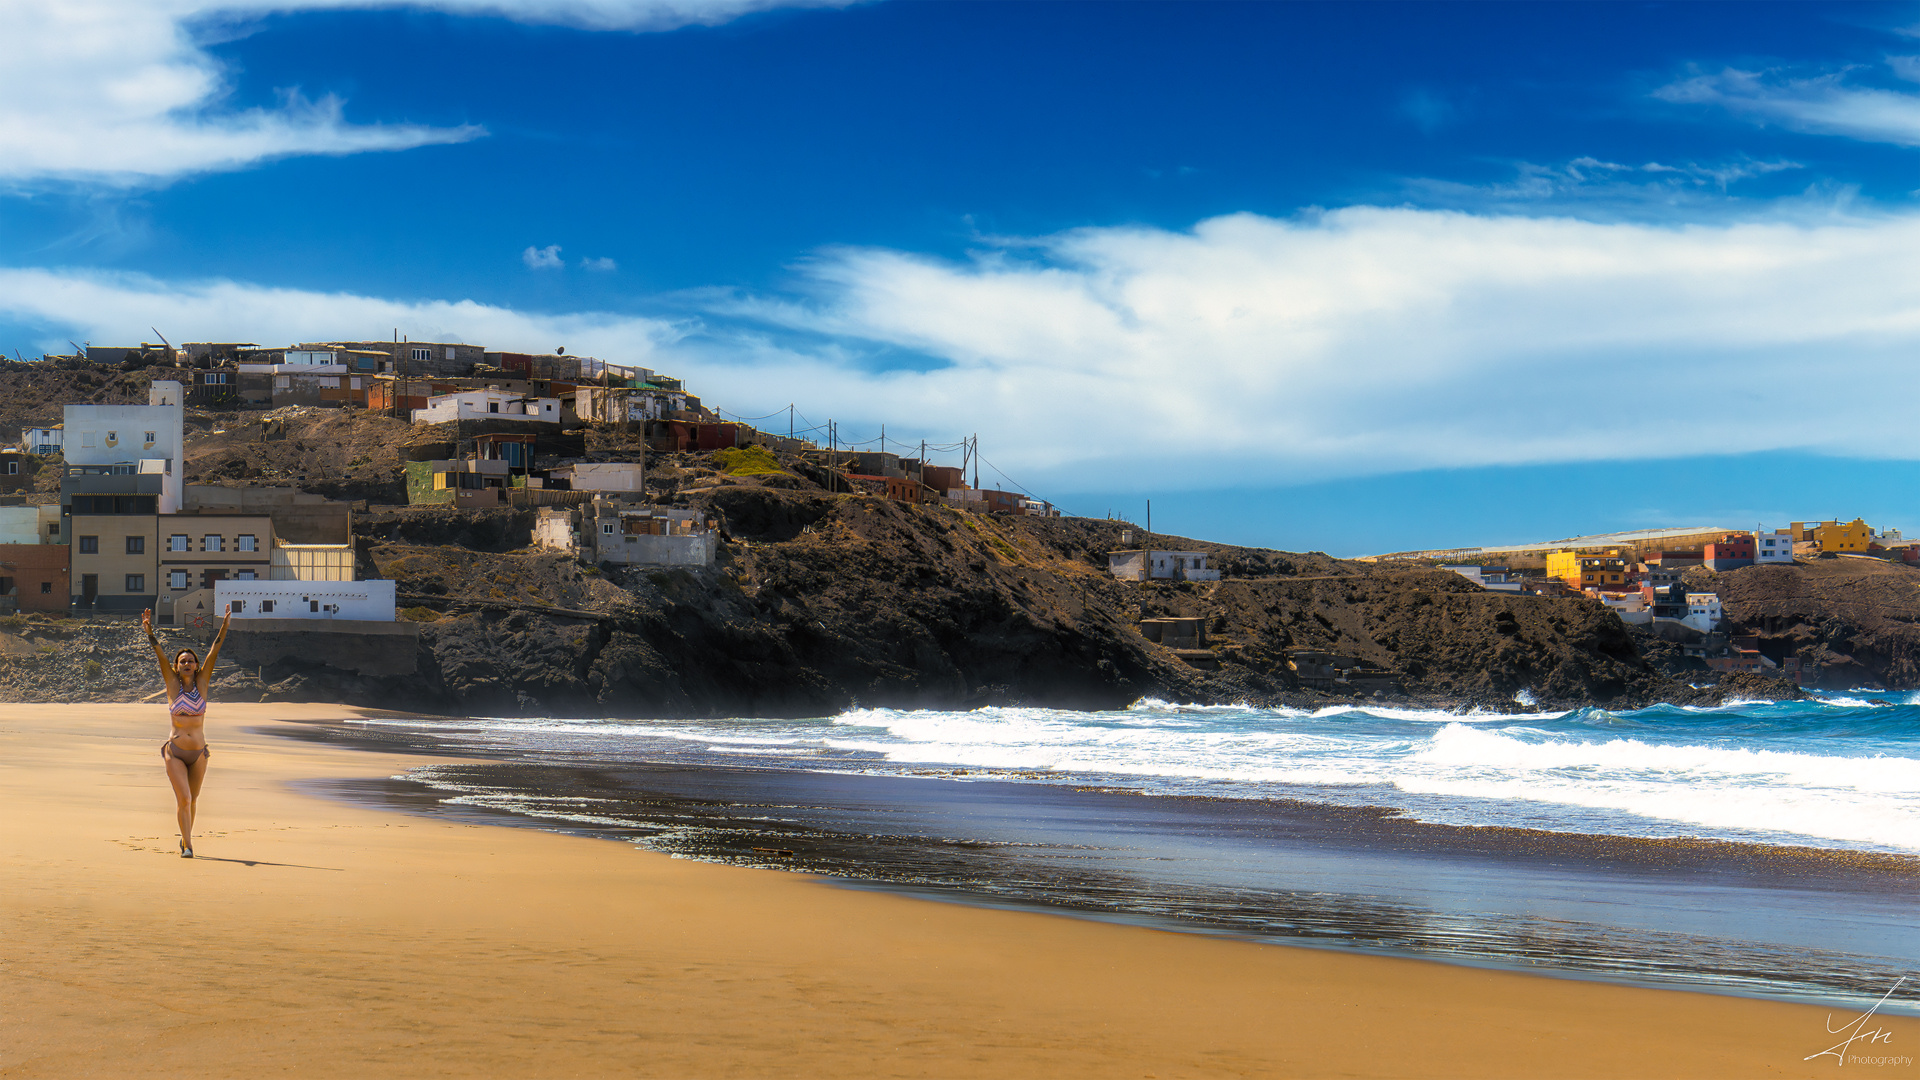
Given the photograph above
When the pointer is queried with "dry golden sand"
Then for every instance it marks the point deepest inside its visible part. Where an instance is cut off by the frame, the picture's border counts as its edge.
(319, 939)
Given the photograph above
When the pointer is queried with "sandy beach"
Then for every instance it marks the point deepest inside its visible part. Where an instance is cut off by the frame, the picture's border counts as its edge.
(318, 938)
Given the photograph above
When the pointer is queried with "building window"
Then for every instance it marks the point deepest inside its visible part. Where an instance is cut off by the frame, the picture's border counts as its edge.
(248, 542)
(313, 605)
(493, 406)
(237, 606)
(179, 542)
(53, 529)
(89, 545)
(608, 529)
(150, 439)
(212, 542)
(449, 352)
(136, 583)
(266, 606)
(13, 468)
(423, 355)
(46, 586)
(177, 579)
(136, 545)
(245, 575)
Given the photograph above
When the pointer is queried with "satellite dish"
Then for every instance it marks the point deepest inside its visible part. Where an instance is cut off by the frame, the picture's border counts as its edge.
(561, 351)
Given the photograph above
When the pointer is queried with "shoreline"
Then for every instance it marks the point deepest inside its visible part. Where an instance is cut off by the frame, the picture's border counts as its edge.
(327, 939)
(1766, 921)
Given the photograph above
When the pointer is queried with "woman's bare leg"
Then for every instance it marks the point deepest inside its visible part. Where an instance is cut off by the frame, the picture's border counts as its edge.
(183, 794)
(196, 775)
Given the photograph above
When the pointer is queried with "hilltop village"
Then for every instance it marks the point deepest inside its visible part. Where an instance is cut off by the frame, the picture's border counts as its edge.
(441, 527)
(1665, 581)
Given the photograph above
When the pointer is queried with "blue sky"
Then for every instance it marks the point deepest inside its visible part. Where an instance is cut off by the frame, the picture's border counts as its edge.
(1351, 277)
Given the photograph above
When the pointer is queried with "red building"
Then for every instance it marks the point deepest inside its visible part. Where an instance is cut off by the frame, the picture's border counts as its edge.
(687, 435)
(36, 575)
(943, 478)
(1730, 552)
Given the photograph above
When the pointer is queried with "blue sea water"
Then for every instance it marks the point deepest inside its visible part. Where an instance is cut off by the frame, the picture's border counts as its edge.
(1057, 809)
(1842, 771)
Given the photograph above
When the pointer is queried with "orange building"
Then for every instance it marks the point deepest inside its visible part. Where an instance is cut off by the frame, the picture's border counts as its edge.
(1583, 572)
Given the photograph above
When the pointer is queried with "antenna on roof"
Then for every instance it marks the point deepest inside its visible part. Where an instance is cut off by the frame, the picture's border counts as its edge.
(163, 339)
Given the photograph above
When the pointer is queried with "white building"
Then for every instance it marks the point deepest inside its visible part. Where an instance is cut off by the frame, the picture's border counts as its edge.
(1773, 547)
(1703, 611)
(609, 532)
(145, 438)
(629, 476)
(30, 524)
(42, 440)
(1167, 566)
(1491, 578)
(1631, 608)
(362, 601)
(489, 404)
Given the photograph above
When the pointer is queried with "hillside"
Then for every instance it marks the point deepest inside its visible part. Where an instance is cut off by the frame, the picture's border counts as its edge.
(823, 602)
(820, 602)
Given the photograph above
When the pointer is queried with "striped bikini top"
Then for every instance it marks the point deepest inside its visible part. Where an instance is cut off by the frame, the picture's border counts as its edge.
(189, 702)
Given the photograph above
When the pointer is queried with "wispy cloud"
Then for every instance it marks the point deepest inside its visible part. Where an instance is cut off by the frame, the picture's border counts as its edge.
(546, 258)
(125, 93)
(1588, 186)
(109, 307)
(602, 265)
(1823, 104)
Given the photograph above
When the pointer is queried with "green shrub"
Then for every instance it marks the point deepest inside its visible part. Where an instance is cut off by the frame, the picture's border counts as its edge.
(746, 461)
(420, 614)
(91, 669)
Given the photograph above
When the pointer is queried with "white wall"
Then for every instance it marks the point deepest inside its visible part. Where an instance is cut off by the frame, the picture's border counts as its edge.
(36, 439)
(117, 435)
(474, 405)
(1780, 551)
(554, 529)
(20, 525)
(361, 600)
(606, 476)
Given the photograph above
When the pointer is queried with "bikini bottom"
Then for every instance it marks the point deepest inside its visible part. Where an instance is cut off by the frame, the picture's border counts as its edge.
(167, 749)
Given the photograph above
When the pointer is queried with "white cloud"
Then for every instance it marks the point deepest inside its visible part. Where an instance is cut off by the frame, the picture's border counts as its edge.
(546, 258)
(124, 92)
(1258, 351)
(1821, 104)
(105, 307)
(1247, 351)
(603, 264)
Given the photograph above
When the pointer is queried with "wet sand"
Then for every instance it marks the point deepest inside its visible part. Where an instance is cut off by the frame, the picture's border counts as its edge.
(319, 938)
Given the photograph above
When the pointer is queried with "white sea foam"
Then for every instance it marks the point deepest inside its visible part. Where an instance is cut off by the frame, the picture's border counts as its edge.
(1714, 771)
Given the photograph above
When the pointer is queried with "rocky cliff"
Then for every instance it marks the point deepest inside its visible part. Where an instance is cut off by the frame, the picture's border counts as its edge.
(822, 602)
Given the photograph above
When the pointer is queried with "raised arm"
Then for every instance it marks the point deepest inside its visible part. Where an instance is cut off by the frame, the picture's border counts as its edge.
(159, 656)
(213, 654)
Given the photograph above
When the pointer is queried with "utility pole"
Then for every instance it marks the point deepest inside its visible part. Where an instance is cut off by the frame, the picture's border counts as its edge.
(789, 420)
(1149, 576)
(976, 461)
(883, 438)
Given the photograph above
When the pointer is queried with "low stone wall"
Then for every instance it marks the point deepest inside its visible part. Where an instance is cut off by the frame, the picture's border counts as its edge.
(351, 645)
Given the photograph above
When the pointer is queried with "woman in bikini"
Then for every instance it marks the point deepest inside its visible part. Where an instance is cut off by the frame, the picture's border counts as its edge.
(185, 752)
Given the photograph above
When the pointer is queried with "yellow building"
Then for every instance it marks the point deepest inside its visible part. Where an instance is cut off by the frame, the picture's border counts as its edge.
(1833, 536)
(1582, 572)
